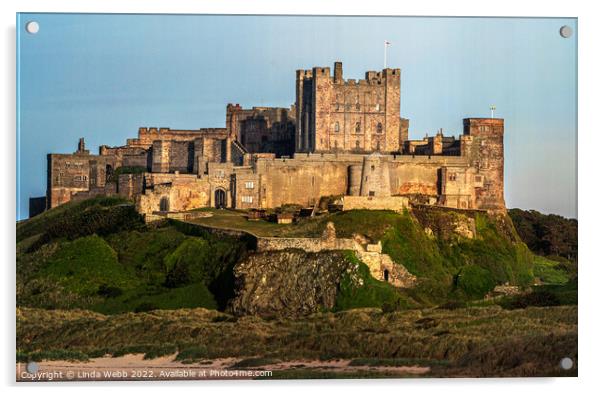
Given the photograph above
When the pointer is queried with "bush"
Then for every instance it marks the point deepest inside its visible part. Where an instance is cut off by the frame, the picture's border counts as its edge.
(475, 281)
(109, 291)
(178, 276)
(537, 299)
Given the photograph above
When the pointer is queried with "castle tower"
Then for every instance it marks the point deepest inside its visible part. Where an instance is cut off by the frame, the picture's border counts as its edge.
(483, 145)
(338, 115)
(375, 176)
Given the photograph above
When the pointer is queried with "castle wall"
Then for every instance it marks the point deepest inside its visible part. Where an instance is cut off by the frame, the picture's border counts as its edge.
(130, 185)
(300, 182)
(67, 174)
(395, 203)
(263, 129)
(247, 188)
(181, 156)
(173, 192)
(146, 136)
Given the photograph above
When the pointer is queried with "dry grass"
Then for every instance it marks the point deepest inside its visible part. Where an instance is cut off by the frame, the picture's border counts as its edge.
(491, 336)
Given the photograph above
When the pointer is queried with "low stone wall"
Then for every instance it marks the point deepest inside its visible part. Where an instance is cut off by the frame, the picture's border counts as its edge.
(188, 215)
(395, 203)
(317, 244)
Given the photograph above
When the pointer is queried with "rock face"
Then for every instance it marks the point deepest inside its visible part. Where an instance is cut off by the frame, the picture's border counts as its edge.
(288, 283)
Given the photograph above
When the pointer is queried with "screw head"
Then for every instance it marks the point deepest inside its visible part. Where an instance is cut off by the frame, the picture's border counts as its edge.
(566, 31)
(566, 363)
(32, 27)
(32, 367)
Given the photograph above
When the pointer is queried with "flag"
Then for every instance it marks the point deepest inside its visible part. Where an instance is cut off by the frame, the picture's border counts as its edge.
(387, 42)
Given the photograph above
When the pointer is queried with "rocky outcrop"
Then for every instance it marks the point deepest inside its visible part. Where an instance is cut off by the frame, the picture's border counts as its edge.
(288, 283)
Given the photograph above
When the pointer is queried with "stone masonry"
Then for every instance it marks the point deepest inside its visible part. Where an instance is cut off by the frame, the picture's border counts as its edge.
(342, 137)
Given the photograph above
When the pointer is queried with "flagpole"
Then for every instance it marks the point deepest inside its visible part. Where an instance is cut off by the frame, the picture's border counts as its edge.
(385, 48)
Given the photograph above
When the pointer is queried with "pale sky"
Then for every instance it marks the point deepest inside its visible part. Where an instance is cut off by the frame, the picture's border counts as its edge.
(103, 76)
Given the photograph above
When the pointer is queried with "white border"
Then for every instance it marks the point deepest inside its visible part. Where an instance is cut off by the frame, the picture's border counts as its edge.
(589, 32)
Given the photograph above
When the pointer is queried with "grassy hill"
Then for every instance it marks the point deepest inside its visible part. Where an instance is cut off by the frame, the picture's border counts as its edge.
(99, 255)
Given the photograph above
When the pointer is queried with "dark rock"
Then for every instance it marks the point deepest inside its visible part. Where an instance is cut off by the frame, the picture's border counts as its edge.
(288, 283)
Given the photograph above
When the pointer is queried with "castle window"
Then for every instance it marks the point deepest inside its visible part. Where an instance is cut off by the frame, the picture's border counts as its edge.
(249, 185)
(219, 174)
(247, 199)
(357, 144)
(336, 126)
(478, 178)
(358, 127)
(379, 128)
(372, 167)
(357, 106)
(371, 193)
(452, 176)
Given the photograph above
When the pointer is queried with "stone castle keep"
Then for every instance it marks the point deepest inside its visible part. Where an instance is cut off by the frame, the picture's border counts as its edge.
(341, 138)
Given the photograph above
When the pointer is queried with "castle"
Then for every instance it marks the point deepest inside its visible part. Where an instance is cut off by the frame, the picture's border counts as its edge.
(342, 138)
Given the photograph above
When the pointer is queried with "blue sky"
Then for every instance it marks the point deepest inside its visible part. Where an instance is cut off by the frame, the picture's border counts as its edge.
(103, 76)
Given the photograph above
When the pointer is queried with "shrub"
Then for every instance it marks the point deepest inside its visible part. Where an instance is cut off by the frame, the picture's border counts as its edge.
(109, 291)
(538, 299)
(178, 276)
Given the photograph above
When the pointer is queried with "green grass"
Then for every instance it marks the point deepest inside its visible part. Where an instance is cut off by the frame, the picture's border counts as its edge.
(374, 223)
(549, 271)
(189, 296)
(458, 268)
(97, 254)
(83, 265)
(145, 251)
(40, 223)
(366, 291)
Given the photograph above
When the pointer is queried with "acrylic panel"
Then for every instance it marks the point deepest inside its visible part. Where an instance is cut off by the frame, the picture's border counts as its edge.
(295, 197)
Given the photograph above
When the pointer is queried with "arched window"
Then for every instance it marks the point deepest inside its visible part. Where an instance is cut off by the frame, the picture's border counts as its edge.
(336, 126)
(379, 128)
(358, 127)
(386, 275)
(357, 106)
(357, 144)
